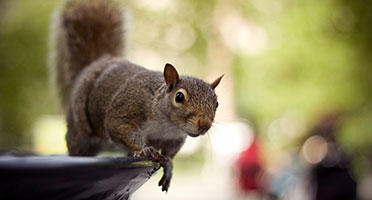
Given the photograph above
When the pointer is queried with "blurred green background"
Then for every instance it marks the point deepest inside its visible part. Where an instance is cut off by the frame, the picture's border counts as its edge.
(296, 58)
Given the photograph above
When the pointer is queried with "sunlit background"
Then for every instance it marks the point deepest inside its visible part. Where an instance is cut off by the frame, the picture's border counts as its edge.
(295, 111)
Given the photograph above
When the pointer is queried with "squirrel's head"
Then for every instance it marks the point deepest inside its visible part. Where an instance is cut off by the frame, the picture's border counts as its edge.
(191, 102)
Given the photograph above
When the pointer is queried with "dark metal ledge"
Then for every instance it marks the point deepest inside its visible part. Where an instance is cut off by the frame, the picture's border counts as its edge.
(63, 177)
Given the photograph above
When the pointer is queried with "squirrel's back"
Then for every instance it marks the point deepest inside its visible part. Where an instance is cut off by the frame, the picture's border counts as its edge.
(81, 32)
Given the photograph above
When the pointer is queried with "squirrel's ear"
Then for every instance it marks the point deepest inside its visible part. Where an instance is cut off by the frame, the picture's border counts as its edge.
(171, 76)
(216, 82)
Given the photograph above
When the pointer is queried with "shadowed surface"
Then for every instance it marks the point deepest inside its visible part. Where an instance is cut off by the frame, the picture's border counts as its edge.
(63, 177)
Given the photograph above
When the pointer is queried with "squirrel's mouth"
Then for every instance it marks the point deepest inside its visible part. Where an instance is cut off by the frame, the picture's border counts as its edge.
(192, 134)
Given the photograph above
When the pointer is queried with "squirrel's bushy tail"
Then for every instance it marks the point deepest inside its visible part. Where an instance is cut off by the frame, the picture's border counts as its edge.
(82, 31)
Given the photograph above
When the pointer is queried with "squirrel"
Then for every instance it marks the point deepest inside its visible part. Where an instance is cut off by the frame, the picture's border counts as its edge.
(110, 102)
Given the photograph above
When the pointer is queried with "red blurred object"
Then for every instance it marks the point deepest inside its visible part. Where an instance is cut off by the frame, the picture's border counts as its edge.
(249, 168)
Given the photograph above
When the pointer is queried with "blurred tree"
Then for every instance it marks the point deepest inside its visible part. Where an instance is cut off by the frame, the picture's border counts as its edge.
(317, 59)
(24, 90)
(354, 22)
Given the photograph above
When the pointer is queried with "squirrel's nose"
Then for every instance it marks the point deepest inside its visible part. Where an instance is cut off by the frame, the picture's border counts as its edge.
(204, 124)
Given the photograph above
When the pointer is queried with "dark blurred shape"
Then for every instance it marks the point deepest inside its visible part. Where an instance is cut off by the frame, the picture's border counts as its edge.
(249, 168)
(334, 183)
(63, 177)
(331, 176)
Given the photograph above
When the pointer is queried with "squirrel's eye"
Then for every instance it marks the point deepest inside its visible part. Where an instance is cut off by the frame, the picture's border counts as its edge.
(180, 98)
(216, 105)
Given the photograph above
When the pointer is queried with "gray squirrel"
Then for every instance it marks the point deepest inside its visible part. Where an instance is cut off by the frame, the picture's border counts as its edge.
(111, 103)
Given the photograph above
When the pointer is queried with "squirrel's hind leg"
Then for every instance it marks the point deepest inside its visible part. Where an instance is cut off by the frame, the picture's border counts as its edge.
(79, 144)
(80, 138)
(80, 141)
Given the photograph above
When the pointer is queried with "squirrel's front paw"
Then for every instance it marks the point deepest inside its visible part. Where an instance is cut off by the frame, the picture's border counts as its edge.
(164, 162)
(167, 176)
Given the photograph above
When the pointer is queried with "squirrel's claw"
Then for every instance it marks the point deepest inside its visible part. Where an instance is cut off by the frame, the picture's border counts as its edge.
(152, 153)
(164, 183)
(167, 176)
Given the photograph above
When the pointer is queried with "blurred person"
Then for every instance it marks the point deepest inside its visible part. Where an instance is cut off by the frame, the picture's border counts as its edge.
(290, 182)
(326, 173)
(250, 171)
(330, 177)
